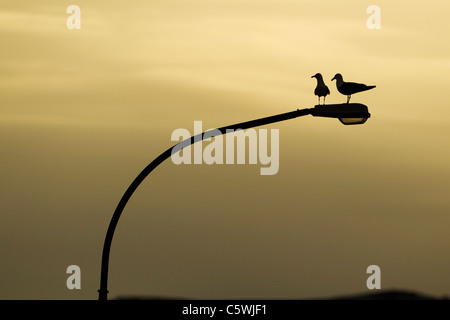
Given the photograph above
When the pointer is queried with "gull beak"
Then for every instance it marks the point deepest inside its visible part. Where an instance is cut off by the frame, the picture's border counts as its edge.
(334, 78)
(313, 76)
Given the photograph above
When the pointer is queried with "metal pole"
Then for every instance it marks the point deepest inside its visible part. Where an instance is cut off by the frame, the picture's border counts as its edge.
(103, 291)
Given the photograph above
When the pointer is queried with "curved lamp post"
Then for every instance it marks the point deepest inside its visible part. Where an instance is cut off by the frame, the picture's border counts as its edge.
(348, 113)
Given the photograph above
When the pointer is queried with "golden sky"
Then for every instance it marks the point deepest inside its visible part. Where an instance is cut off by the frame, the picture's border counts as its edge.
(84, 111)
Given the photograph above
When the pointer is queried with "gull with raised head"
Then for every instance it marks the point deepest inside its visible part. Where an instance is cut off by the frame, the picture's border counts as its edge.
(321, 88)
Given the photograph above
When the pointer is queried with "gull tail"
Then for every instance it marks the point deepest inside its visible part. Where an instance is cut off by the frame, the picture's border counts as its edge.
(365, 88)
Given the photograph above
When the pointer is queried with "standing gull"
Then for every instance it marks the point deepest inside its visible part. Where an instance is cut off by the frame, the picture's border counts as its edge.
(349, 88)
(321, 89)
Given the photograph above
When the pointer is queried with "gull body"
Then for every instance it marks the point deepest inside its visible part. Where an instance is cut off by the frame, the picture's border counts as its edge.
(321, 88)
(349, 88)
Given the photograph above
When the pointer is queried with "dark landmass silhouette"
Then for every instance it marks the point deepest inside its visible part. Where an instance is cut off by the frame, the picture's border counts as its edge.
(387, 294)
(390, 295)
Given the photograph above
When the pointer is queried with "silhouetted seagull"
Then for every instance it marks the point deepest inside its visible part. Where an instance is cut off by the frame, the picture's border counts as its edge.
(321, 89)
(349, 88)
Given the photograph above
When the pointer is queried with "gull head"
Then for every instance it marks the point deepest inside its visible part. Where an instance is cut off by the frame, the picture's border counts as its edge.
(317, 76)
(337, 77)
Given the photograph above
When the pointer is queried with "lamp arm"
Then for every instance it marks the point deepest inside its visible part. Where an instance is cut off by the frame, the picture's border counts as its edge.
(103, 291)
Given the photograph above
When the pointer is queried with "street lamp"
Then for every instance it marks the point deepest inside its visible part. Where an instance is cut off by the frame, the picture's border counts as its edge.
(348, 113)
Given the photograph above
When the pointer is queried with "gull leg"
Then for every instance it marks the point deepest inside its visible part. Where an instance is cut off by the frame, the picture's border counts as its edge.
(319, 100)
(348, 98)
(324, 99)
